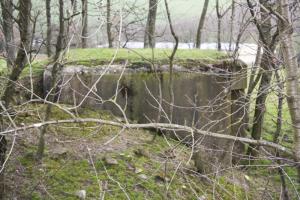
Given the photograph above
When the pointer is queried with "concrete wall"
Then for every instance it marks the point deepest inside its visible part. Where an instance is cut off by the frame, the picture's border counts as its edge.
(205, 98)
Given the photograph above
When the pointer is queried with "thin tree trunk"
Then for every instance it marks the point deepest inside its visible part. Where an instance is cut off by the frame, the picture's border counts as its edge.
(231, 24)
(260, 106)
(74, 6)
(219, 35)
(149, 37)
(268, 44)
(60, 46)
(17, 68)
(49, 31)
(109, 24)
(258, 54)
(171, 60)
(8, 30)
(292, 76)
(84, 34)
(285, 194)
(201, 24)
(219, 16)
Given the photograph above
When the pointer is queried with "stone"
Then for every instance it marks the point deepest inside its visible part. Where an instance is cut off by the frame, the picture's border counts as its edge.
(142, 152)
(59, 152)
(81, 194)
(138, 170)
(143, 176)
(110, 161)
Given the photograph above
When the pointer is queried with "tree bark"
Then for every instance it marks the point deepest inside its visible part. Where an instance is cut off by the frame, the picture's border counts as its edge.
(109, 24)
(231, 24)
(219, 16)
(74, 6)
(84, 35)
(171, 60)
(201, 24)
(49, 31)
(149, 38)
(268, 44)
(260, 106)
(8, 30)
(17, 68)
(292, 76)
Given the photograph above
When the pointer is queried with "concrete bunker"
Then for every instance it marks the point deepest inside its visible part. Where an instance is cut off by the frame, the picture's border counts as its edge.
(207, 96)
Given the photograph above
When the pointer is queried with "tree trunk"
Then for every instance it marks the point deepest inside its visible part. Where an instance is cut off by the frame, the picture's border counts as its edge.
(260, 106)
(266, 66)
(201, 24)
(149, 38)
(258, 54)
(109, 24)
(8, 30)
(292, 76)
(60, 46)
(231, 24)
(219, 16)
(74, 6)
(17, 68)
(84, 14)
(49, 31)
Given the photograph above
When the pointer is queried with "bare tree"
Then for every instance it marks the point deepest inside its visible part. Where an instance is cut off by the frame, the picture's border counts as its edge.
(201, 24)
(109, 24)
(232, 17)
(8, 30)
(60, 47)
(171, 58)
(292, 75)
(84, 13)
(9, 90)
(49, 27)
(149, 37)
(220, 16)
(269, 42)
(74, 6)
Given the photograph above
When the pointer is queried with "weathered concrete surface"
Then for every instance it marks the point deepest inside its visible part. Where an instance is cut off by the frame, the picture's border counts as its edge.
(203, 98)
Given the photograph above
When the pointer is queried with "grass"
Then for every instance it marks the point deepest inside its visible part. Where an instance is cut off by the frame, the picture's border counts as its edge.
(92, 57)
(100, 56)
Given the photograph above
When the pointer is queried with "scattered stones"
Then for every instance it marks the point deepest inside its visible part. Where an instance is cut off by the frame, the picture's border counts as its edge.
(110, 161)
(81, 194)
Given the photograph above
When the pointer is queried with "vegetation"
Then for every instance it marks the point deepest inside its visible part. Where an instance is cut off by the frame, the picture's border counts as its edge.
(205, 133)
(139, 172)
(100, 56)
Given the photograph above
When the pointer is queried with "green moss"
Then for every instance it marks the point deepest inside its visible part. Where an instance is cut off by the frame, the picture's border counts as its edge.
(229, 190)
(37, 68)
(93, 57)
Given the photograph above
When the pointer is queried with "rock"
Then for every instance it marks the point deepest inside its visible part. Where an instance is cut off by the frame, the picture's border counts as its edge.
(161, 179)
(203, 197)
(142, 152)
(59, 152)
(138, 170)
(110, 161)
(81, 194)
(143, 176)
